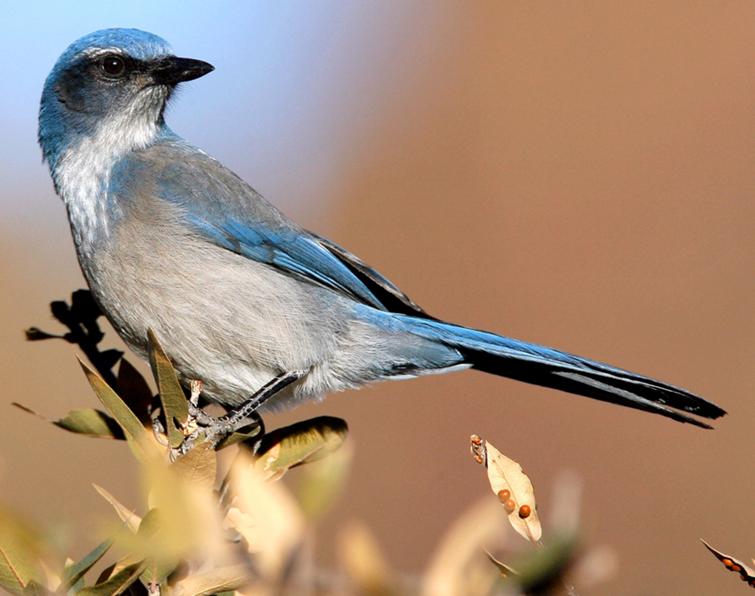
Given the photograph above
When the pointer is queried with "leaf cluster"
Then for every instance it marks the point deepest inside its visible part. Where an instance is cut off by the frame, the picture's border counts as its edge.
(206, 528)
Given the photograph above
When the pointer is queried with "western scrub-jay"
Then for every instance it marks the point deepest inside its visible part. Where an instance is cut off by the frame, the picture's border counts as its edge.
(241, 297)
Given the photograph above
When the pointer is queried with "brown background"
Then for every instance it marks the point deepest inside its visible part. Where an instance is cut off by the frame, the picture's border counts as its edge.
(577, 174)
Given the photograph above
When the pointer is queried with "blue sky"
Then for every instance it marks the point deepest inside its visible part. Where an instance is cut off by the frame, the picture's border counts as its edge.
(296, 84)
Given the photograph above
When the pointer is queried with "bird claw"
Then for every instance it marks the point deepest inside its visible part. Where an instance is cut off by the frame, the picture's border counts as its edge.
(202, 427)
(216, 429)
(158, 430)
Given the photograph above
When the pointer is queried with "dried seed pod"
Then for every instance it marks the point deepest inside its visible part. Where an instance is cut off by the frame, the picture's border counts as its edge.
(477, 449)
(525, 511)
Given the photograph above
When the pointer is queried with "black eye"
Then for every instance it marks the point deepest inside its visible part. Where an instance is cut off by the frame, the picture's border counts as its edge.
(112, 65)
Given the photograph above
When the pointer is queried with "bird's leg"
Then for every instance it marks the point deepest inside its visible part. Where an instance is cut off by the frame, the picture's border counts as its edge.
(268, 390)
(196, 389)
(216, 429)
(158, 430)
(242, 415)
(197, 416)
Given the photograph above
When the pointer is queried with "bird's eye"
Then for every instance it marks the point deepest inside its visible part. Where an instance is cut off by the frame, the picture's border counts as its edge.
(112, 65)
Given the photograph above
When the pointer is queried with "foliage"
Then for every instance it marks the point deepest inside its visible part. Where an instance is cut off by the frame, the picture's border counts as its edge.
(206, 530)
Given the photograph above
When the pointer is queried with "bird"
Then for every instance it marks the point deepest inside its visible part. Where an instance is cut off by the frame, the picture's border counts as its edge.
(265, 314)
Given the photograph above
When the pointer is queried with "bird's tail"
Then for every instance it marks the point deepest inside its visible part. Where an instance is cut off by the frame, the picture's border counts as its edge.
(548, 367)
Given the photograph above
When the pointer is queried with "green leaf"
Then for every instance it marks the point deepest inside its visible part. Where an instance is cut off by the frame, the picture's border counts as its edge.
(126, 419)
(75, 571)
(90, 422)
(10, 575)
(303, 442)
(239, 436)
(158, 567)
(118, 583)
(546, 567)
(21, 553)
(85, 421)
(175, 406)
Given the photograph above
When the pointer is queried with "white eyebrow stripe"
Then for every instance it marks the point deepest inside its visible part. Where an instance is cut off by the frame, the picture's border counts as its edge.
(94, 52)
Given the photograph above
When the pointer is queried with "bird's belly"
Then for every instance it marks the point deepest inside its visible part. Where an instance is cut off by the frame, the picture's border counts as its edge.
(226, 320)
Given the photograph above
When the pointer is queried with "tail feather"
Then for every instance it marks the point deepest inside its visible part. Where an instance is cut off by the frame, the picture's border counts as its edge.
(552, 368)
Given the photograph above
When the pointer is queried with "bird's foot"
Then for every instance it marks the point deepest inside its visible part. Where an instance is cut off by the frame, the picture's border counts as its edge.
(216, 430)
(244, 420)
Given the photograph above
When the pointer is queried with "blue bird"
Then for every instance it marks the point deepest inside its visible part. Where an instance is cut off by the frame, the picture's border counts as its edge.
(263, 312)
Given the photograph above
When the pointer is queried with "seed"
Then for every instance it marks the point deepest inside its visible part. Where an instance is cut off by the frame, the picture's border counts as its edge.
(525, 511)
(503, 495)
(509, 505)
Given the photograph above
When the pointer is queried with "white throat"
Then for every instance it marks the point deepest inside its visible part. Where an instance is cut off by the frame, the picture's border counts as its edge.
(83, 173)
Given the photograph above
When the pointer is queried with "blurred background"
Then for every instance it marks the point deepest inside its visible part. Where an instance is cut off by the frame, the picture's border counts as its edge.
(577, 174)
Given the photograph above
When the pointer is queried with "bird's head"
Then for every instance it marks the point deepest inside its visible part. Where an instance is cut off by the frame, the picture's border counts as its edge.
(113, 83)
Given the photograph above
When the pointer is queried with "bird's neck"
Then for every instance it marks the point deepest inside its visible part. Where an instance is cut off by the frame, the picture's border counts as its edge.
(83, 170)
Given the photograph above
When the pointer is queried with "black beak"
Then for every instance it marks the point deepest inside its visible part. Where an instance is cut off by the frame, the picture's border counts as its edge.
(173, 70)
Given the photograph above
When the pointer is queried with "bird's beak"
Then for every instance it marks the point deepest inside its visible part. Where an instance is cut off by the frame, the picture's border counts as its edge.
(173, 70)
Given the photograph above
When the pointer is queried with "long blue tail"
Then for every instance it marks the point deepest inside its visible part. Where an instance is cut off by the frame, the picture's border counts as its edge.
(548, 367)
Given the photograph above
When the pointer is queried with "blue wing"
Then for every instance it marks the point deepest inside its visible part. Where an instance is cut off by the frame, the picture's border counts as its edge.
(291, 251)
(228, 212)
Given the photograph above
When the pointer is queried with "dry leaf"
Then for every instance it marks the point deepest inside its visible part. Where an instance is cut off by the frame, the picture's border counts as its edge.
(265, 515)
(746, 573)
(460, 567)
(127, 516)
(198, 466)
(503, 569)
(364, 563)
(320, 483)
(24, 556)
(230, 577)
(512, 487)
(182, 493)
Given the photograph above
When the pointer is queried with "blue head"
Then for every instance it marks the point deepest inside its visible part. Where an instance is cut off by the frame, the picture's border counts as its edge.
(113, 83)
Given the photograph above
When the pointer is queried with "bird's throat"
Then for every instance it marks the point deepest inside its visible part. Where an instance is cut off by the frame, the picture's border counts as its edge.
(82, 175)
